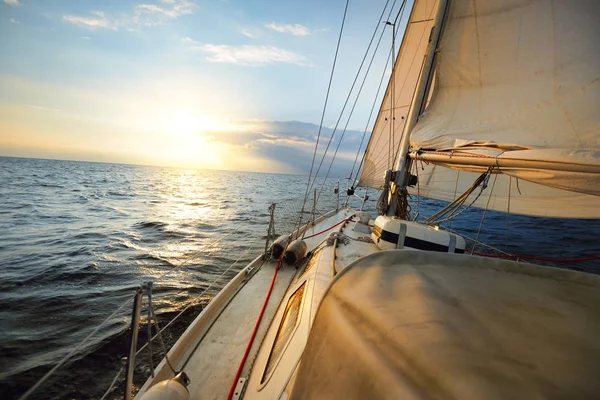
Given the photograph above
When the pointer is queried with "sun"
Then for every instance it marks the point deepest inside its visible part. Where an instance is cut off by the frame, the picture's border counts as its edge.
(186, 124)
(188, 144)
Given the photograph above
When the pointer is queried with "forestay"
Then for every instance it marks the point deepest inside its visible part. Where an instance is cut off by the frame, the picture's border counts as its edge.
(517, 79)
(382, 148)
(420, 325)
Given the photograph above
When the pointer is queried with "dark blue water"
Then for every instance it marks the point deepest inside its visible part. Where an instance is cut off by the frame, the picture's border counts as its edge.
(77, 238)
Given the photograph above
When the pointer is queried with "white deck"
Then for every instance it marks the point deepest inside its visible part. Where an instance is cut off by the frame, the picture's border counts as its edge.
(212, 352)
(317, 279)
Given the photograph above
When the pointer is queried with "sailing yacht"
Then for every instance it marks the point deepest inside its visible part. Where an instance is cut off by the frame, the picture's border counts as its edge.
(492, 104)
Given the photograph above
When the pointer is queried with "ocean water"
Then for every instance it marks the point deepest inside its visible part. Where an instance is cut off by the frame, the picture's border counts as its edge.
(77, 238)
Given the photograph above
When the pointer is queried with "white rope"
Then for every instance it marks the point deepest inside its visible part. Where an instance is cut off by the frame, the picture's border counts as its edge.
(451, 211)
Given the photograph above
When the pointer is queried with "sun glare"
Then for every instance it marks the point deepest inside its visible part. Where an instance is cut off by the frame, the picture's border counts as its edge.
(189, 145)
(188, 124)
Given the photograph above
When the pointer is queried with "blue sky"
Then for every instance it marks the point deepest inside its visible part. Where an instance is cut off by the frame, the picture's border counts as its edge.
(210, 84)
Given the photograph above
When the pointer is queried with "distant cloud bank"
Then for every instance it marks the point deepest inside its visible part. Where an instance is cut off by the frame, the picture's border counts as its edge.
(291, 143)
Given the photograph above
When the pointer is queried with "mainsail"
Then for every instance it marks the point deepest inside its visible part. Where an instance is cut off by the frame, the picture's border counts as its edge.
(382, 148)
(517, 88)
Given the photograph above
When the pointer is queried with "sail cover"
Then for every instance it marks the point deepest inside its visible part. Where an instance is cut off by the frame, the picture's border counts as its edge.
(386, 135)
(521, 78)
(420, 325)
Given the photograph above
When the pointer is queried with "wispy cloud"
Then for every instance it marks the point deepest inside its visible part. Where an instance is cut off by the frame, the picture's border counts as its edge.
(14, 21)
(188, 40)
(252, 55)
(143, 15)
(98, 20)
(294, 29)
(12, 2)
(250, 32)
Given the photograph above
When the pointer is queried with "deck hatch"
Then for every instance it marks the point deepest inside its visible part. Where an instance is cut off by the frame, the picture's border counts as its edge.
(286, 328)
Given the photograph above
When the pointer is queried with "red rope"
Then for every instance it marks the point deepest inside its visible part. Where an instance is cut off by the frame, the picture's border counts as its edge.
(262, 311)
(565, 260)
(330, 228)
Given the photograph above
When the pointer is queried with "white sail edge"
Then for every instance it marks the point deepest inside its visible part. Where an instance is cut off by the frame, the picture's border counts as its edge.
(384, 141)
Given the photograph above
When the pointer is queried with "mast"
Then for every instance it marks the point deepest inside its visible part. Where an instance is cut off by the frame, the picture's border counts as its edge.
(402, 165)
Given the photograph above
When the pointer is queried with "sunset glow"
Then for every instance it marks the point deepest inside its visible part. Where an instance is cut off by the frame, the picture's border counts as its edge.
(192, 84)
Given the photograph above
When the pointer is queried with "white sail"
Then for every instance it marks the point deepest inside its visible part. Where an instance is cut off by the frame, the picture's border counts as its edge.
(520, 80)
(508, 194)
(384, 141)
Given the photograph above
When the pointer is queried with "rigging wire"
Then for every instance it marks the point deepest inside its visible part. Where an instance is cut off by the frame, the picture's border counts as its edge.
(483, 215)
(43, 379)
(359, 90)
(345, 103)
(191, 304)
(337, 48)
(418, 190)
(508, 213)
(392, 116)
(367, 126)
(72, 352)
(452, 209)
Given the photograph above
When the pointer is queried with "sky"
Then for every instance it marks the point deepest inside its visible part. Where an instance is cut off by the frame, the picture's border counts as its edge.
(221, 84)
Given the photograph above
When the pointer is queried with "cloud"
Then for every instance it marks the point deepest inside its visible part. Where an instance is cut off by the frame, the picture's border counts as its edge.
(290, 143)
(188, 40)
(14, 21)
(12, 2)
(252, 55)
(143, 15)
(294, 29)
(252, 33)
(99, 20)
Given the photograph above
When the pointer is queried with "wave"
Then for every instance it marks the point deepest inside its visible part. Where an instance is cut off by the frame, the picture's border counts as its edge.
(150, 225)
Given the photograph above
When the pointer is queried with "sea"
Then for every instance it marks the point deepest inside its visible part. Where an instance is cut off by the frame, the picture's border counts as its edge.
(78, 238)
